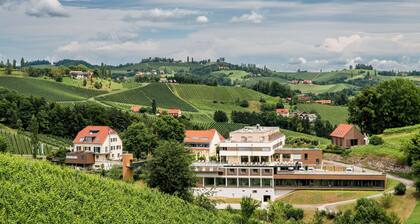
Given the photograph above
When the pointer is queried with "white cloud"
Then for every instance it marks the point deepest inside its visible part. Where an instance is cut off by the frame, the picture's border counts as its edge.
(201, 19)
(160, 14)
(108, 46)
(340, 43)
(354, 61)
(253, 17)
(297, 61)
(46, 8)
(388, 65)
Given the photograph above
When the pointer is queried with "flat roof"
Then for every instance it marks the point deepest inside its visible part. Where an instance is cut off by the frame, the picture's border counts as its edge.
(256, 129)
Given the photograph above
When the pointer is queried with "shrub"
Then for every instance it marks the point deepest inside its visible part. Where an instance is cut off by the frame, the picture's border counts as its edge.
(400, 189)
(386, 200)
(244, 103)
(98, 85)
(59, 79)
(220, 116)
(417, 186)
(376, 140)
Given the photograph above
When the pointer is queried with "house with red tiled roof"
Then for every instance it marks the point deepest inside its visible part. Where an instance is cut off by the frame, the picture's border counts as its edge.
(175, 112)
(135, 109)
(347, 135)
(102, 141)
(284, 112)
(203, 143)
(323, 101)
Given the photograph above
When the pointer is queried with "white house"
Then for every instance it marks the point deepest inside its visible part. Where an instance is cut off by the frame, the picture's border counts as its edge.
(103, 142)
(203, 143)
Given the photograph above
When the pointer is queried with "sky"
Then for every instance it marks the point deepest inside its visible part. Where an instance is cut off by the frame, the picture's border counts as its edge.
(282, 35)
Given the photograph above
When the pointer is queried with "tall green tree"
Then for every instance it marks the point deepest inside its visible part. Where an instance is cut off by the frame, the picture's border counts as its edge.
(154, 106)
(170, 170)
(139, 139)
(392, 103)
(22, 63)
(34, 129)
(412, 149)
(8, 69)
(168, 128)
(14, 64)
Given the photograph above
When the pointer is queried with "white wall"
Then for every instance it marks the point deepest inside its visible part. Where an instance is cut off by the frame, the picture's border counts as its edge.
(233, 192)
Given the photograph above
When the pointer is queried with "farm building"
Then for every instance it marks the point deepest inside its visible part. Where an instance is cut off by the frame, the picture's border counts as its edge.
(135, 109)
(80, 74)
(323, 101)
(347, 135)
(203, 143)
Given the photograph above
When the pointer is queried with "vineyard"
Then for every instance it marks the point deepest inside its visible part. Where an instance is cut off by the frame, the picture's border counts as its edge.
(50, 90)
(143, 96)
(20, 144)
(334, 114)
(39, 192)
(222, 128)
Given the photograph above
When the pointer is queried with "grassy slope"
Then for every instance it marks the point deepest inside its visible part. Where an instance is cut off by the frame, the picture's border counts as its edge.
(323, 142)
(415, 215)
(143, 96)
(394, 139)
(316, 89)
(322, 197)
(334, 114)
(39, 192)
(233, 74)
(52, 91)
(203, 96)
(105, 84)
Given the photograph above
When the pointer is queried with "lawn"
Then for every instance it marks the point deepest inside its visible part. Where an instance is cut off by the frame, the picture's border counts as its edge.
(105, 84)
(302, 197)
(402, 206)
(144, 95)
(316, 89)
(52, 91)
(394, 139)
(323, 142)
(334, 114)
(233, 74)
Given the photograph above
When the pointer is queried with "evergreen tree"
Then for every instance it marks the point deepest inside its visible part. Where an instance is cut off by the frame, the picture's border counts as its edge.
(220, 116)
(22, 62)
(154, 106)
(8, 68)
(3, 144)
(14, 64)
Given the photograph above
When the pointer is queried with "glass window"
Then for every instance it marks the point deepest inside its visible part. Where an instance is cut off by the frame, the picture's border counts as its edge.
(220, 181)
(208, 181)
(244, 159)
(244, 182)
(286, 156)
(266, 182)
(255, 171)
(243, 171)
(255, 182)
(97, 149)
(232, 181)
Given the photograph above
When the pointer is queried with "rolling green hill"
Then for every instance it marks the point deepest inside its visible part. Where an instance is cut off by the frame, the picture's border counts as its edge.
(144, 95)
(321, 88)
(38, 192)
(50, 90)
(334, 114)
(216, 97)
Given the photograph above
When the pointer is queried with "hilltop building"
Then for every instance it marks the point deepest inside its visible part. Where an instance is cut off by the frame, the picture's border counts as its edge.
(203, 143)
(96, 147)
(283, 112)
(80, 74)
(347, 135)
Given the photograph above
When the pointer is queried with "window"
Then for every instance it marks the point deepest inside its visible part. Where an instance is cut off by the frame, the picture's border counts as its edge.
(118, 155)
(255, 182)
(208, 181)
(86, 148)
(244, 182)
(97, 149)
(254, 171)
(306, 156)
(78, 148)
(112, 155)
(118, 147)
(267, 171)
(220, 181)
(243, 139)
(231, 171)
(266, 183)
(244, 159)
(243, 171)
(286, 156)
(232, 181)
(353, 142)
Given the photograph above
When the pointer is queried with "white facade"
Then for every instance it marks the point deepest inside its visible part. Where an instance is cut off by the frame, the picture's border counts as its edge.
(107, 154)
(260, 194)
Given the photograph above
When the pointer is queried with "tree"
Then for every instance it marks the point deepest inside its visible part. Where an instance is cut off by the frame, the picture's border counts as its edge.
(3, 144)
(169, 170)
(14, 64)
(220, 116)
(248, 207)
(22, 63)
(392, 103)
(139, 139)
(400, 189)
(168, 128)
(154, 106)
(8, 68)
(280, 104)
(244, 103)
(412, 149)
(84, 82)
(34, 129)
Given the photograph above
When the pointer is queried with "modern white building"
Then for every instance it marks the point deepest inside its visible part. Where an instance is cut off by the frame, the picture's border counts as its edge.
(102, 141)
(203, 143)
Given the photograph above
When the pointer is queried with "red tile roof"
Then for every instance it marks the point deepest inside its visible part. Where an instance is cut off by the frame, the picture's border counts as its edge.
(174, 111)
(98, 135)
(201, 136)
(136, 108)
(341, 130)
(282, 111)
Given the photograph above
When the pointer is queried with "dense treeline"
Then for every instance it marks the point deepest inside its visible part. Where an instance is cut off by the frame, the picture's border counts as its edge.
(392, 103)
(363, 66)
(338, 98)
(16, 111)
(211, 80)
(319, 127)
(393, 73)
(274, 89)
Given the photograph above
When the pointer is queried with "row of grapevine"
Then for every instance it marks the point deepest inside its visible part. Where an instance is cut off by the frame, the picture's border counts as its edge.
(50, 90)
(144, 95)
(20, 144)
(34, 191)
(223, 128)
